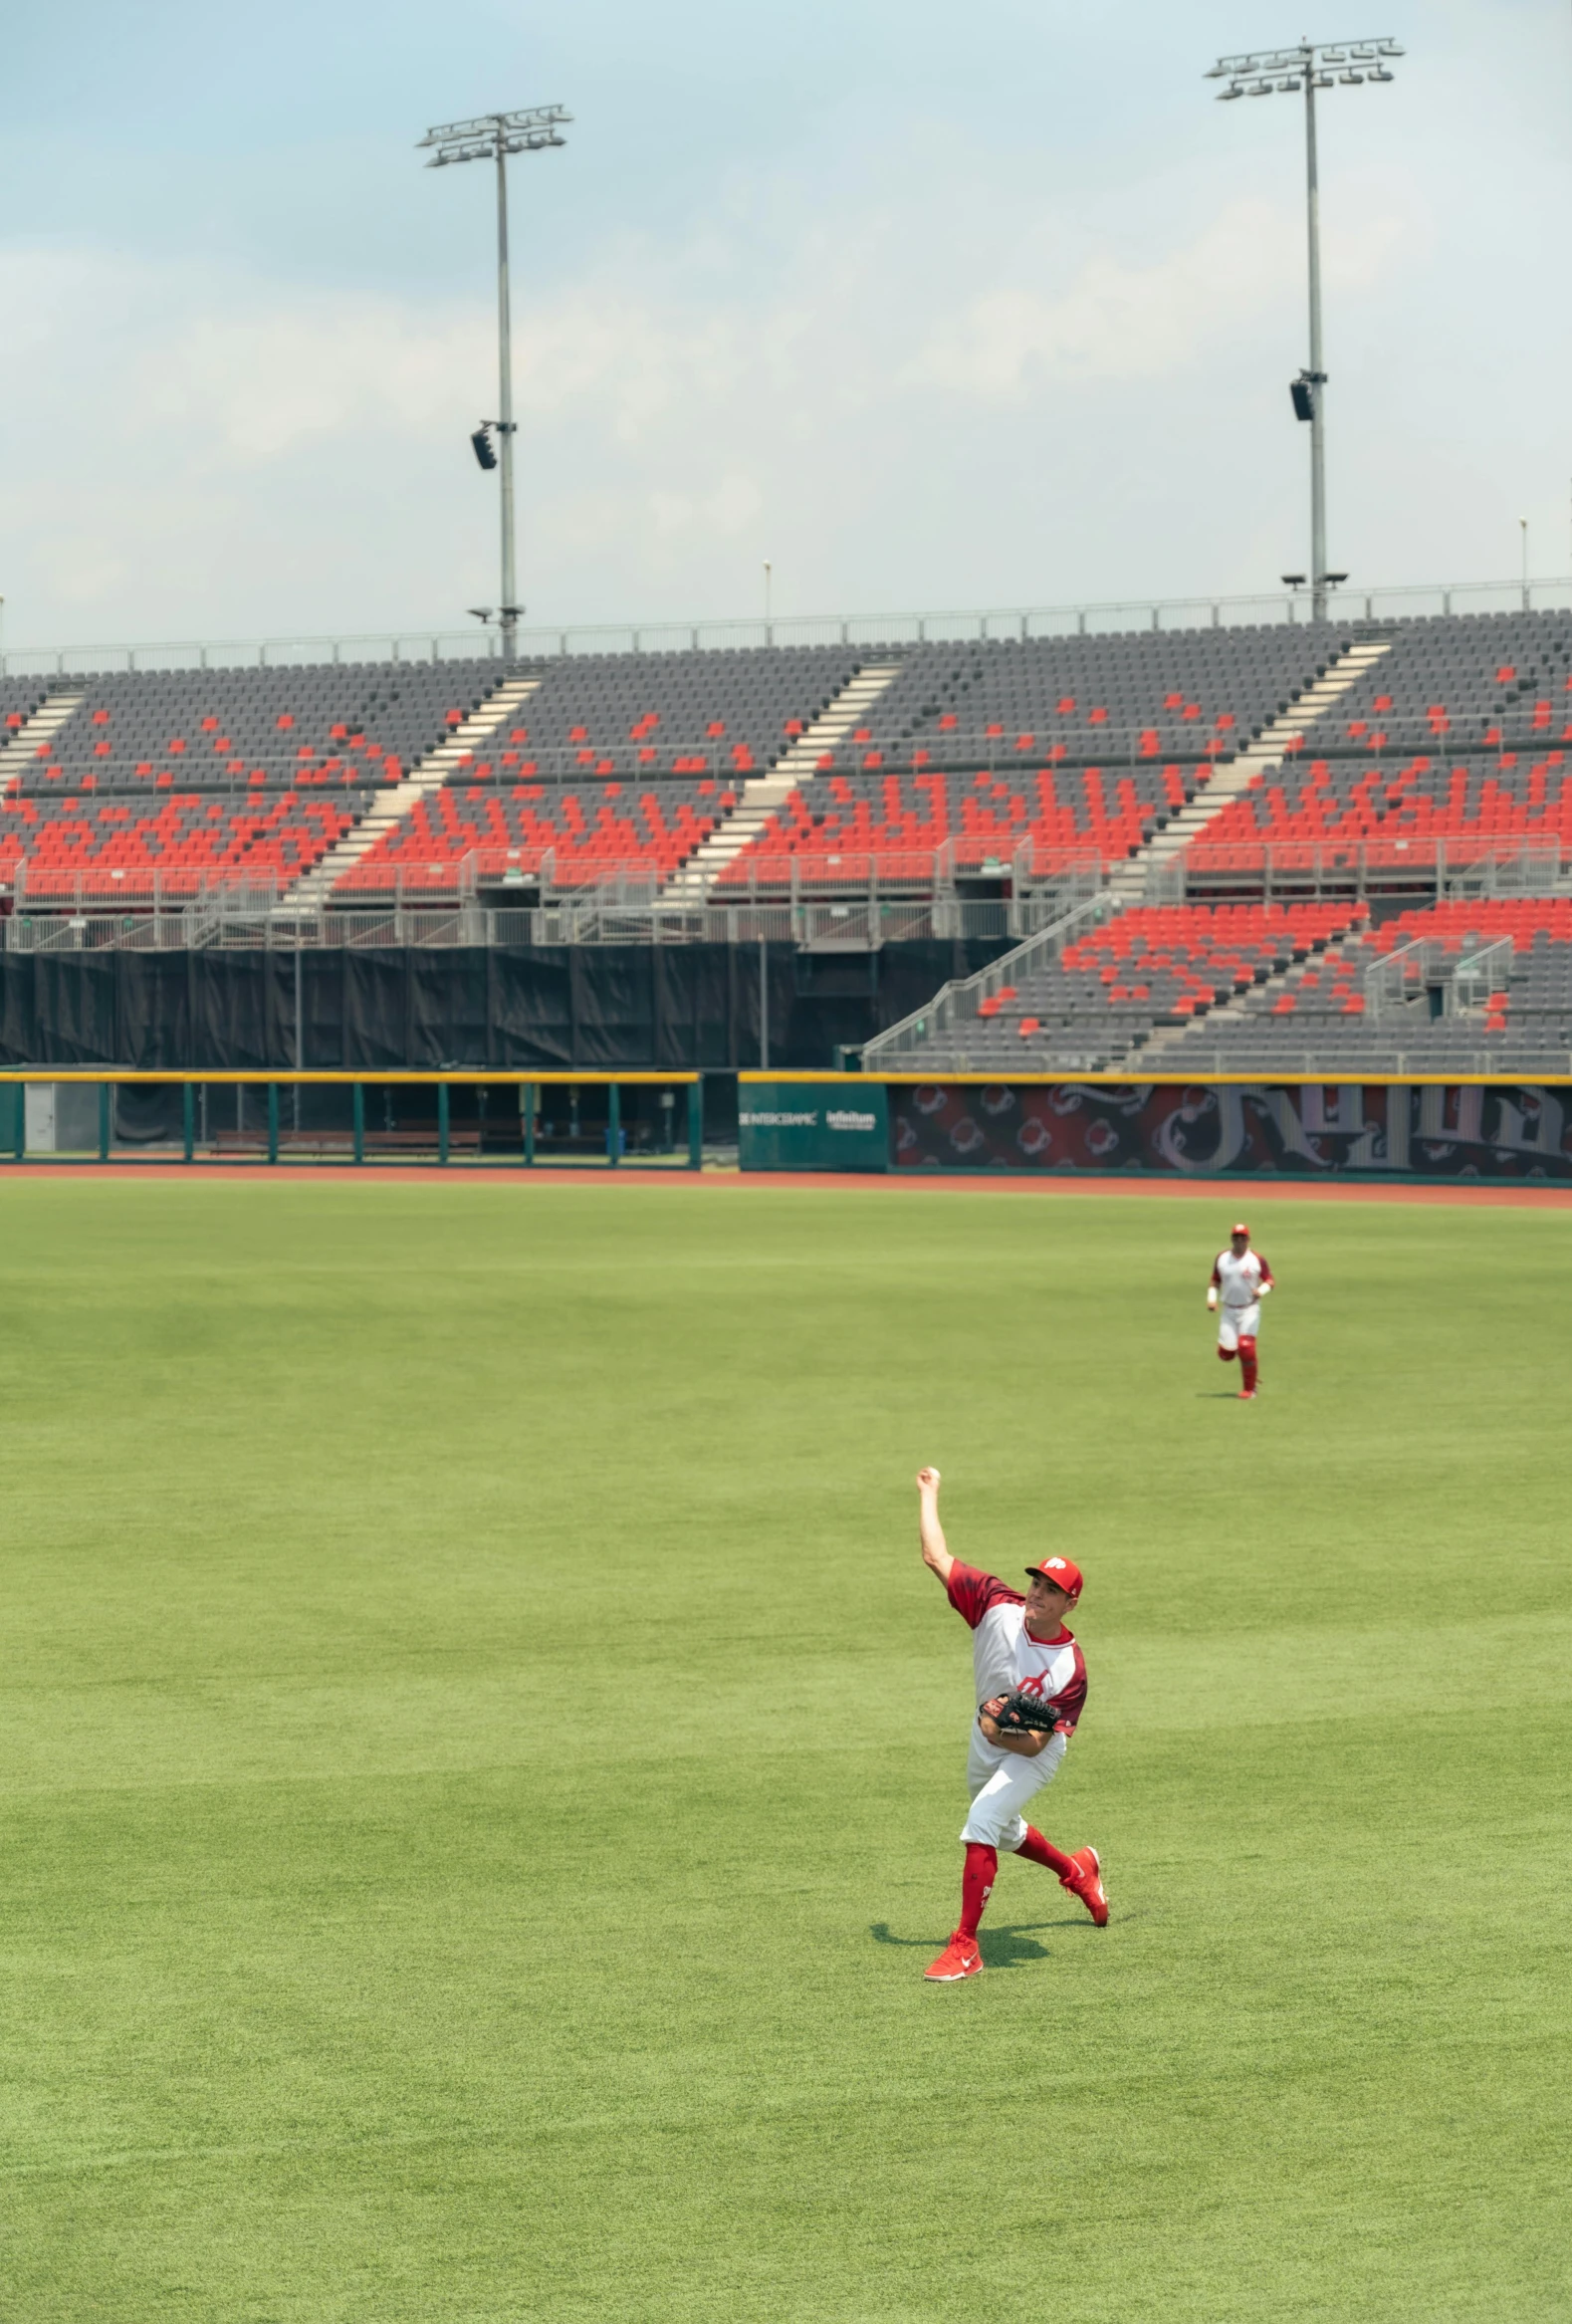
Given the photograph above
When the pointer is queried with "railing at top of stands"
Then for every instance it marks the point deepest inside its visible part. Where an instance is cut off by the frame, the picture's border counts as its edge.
(1265, 609)
(38, 889)
(1040, 877)
(1483, 865)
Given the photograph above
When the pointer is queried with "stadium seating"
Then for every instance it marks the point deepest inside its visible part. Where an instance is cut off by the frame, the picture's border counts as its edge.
(1459, 737)
(619, 761)
(256, 728)
(1150, 965)
(1081, 746)
(1333, 809)
(19, 698)
(981, 818)
(1076, 748)
(194, 772)
(654, 715)
(591, 830)
(1463, 683)
(1137, 695)
(1326, 1006)
(184, 836)
(617, 758)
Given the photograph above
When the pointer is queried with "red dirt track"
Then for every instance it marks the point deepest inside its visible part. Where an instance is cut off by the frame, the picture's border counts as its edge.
(1495, 1195)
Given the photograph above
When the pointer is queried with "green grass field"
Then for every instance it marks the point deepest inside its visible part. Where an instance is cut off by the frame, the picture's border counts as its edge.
(353, 1971)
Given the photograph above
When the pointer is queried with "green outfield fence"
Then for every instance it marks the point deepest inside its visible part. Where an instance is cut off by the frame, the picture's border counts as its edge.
(465, 1120)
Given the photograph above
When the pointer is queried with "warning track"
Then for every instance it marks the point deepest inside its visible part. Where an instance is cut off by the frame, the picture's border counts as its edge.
(1467, 1194)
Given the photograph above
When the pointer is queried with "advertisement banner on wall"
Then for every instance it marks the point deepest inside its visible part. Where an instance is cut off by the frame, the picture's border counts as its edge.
(812, 1125)
(1459, 1130)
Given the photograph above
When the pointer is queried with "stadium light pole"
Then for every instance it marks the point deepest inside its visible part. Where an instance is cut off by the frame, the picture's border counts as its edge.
(492, 137)
(1312, 66)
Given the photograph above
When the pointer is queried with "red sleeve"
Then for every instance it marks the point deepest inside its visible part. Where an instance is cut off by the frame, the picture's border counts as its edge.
(1215, 1277)
(973, 1593)
(1070, 1701)
(1265, 1270)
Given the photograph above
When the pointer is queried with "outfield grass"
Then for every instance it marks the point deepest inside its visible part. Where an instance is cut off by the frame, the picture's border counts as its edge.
(354, 1968)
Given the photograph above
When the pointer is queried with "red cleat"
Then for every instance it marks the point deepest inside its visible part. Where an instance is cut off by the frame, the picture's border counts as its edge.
(1087, 1885)
(1247, 1395)
(960, 1959)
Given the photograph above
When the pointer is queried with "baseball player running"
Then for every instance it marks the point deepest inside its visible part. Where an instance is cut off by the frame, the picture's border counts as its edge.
(1019, 1645)
(1241, 1280)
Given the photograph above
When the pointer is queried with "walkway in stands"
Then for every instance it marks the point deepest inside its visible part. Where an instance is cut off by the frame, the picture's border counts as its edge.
(24, 741)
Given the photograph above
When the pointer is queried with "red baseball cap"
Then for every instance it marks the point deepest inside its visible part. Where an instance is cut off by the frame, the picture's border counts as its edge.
(1240, 1228)
(1061, 1573)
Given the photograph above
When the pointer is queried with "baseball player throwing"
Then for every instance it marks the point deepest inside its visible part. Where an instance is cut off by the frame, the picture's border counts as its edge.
(1019, 1649)
(1241, 1280)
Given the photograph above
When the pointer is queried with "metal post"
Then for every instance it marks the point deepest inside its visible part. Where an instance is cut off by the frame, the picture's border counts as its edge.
(19, 1121)
(188, 1119)
(613, 1124)
(104, 1122)
(510, 602)
(359, 1121)
(1318, 383)
(298, 1029)
(273, 1121)
(442, 1121)
(696, 1124)
(764, 1001)
(528, 1093)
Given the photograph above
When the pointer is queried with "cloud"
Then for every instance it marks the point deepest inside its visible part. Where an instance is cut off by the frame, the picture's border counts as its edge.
(1116, 321)
(256, 382)
(897, 402)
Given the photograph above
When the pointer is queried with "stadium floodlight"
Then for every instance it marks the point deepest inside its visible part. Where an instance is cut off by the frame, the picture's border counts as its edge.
(1289, 70)
(492, 137)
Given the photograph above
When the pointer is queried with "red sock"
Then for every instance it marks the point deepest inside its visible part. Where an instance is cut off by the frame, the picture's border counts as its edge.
(1043, 1852)
(1248, 1360)
(977, 1885)
(1224, 1355)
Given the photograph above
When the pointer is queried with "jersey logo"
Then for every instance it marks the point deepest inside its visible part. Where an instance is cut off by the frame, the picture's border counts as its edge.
(1035, 1685)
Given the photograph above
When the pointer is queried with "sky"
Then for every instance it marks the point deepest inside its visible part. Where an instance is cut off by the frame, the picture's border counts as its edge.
(928, 306)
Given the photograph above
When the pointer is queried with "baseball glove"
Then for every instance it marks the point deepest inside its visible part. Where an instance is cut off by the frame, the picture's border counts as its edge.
(1020, 1714)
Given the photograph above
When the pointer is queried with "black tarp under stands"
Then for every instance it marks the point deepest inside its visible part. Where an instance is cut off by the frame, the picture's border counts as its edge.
(595, 1006)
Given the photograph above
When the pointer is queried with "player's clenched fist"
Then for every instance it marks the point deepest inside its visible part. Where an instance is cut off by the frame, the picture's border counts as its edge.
(927, 1480)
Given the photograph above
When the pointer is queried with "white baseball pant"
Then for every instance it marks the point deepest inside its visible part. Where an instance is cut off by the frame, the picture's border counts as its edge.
(1237, 1324)
(1000, 1783)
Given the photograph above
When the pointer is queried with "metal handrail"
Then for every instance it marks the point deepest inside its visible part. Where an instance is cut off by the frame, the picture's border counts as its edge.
(957, 1001)
(1388, 602)
(1214, 872)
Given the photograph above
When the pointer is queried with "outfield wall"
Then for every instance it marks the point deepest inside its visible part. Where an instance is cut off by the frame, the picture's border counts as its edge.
(1416, 1128)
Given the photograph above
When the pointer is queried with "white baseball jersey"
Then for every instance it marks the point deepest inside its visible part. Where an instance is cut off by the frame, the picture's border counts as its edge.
(1239, 1280)
(1006, 1656)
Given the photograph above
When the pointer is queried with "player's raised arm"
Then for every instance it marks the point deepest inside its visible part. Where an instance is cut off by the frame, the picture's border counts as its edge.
(930, 1532)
